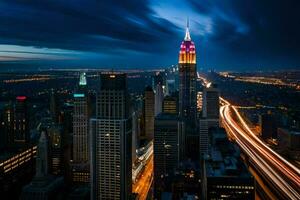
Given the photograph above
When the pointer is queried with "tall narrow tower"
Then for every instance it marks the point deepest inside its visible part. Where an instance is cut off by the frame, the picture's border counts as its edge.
(187, 78)
(187, 97)
(81, 115)
(110, 141)
(81, 122)
(149, 112)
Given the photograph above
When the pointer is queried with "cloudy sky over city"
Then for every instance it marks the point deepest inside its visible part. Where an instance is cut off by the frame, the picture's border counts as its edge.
(229, 34)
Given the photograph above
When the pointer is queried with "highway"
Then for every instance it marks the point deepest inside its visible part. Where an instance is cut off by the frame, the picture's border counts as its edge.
(144, 155)
(143, 183)
(284, 176)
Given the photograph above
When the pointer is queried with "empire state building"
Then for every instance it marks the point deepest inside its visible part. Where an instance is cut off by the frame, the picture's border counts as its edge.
(187, 79)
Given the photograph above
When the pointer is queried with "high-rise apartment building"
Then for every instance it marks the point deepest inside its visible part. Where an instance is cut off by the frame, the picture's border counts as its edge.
(110, 141)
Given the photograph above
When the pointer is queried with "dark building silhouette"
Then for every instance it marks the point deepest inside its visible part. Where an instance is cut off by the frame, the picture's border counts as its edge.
(166, 148)
(43, 185)
(149, 113)
(21, 122)
(268, 125)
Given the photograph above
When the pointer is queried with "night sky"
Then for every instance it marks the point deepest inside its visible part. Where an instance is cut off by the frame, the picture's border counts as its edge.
(229, 34)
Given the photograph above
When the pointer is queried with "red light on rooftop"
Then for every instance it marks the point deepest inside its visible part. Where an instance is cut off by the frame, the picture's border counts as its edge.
(21, 98)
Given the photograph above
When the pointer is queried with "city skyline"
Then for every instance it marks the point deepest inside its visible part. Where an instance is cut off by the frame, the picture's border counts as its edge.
(101, 100)
(229, 35)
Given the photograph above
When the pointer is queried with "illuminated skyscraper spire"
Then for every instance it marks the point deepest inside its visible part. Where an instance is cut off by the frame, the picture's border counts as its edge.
(187, 31)
(187, 95)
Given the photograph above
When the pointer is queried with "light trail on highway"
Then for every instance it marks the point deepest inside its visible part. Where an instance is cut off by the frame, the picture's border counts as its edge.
(144, 182)
(283, 175)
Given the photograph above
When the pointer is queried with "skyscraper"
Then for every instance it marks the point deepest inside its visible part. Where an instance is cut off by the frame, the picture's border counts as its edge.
(210, 116)
(166, 148)
(149, 112)
(187, 95)
(187, 78)
(81, 115)
(56, 149)
(21, 126)
(110, 140)
(159, 96)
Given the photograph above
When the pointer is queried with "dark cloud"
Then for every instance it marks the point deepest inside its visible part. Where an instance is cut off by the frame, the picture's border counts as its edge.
(267, 31)
(244, 32)
(82, 25)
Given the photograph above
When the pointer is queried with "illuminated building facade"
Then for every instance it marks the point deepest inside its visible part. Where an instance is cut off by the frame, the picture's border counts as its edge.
(110, 141)
(81, 115)
(170, 105)
(187, 95)
(199, 101)
(187, 79)
(16, 169)
(17, 160)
